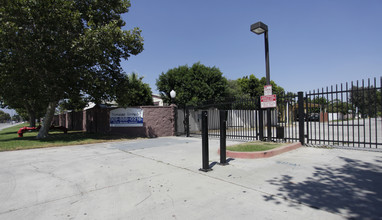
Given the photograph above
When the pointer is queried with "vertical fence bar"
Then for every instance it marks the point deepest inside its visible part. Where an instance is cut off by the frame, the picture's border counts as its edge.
(342, 116)
(290, 118)
(309, 106)
(323, 115)
(286, 117)
(332, 111)
(347, 113)
(363, 113)
(328, 108)
(307, 118)
(376, 117)
(376, 111)
(370, 108)
(253, 119)
(261, 122)
(246, 120)
(357, 123)
(380, 90)
(311, 97)
(296, 124)
(294, 135)
(353, 107)
(301, 117)
(338, 118)
(327, 113)
(256, 119)
(241, 130)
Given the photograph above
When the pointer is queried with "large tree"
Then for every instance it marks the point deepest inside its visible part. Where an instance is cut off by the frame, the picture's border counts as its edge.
(4, 117)
(367, 100)
(135, 92)
(51, 49)
(254, 87)
(234, 89)
(193, 85)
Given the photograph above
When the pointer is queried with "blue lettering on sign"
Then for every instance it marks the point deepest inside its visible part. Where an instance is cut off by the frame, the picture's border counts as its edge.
(126, 120)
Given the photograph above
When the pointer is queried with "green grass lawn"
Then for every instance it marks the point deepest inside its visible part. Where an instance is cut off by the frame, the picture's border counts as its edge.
(254, 146)
(9, 139)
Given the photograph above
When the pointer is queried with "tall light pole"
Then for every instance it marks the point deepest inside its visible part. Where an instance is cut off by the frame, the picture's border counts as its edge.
(261, 28)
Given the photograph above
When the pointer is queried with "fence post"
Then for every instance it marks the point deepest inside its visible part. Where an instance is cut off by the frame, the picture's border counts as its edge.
(261, 122)
(301, 117)
(223, 137)
(205, 165)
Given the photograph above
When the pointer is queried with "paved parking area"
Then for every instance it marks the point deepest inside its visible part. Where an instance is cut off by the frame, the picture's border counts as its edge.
(159, 179)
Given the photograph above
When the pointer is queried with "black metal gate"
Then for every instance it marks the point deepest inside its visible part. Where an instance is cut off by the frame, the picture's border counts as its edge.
(245, 119)
(345, 115)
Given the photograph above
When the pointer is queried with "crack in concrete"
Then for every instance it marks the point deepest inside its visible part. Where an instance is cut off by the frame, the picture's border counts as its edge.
(78, 194)
(233, 183)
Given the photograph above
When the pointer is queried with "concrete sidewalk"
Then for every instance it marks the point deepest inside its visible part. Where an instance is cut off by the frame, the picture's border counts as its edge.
(159, 179)
(7, 125)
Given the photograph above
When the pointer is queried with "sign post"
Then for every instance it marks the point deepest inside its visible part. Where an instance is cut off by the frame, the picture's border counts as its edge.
(268, 101)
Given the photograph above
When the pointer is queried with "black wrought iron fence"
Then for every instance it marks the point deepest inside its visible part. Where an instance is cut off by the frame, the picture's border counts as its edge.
(344, 115)
(242, 118)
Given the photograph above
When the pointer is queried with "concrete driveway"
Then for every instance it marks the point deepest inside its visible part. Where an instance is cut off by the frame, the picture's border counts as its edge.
(159, 179)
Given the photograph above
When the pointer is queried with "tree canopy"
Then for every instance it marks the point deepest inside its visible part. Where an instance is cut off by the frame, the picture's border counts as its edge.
(193, 85)
(52, 49)
(4, 117)
(254, 87)
(367, 100)
(135, 92)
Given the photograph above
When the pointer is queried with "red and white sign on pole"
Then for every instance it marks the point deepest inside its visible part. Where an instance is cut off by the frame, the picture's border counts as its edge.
(268, 101)
(268, 90)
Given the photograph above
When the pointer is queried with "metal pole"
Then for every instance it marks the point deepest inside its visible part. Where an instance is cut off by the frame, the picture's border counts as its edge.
(223, 137)
(267, 58)
(205, 165)
(268, 78)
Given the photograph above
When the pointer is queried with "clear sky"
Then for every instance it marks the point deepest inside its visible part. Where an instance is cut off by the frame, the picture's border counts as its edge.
(313, 44)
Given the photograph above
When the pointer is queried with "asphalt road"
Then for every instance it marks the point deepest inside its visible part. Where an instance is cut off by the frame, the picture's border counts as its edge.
(159, 179)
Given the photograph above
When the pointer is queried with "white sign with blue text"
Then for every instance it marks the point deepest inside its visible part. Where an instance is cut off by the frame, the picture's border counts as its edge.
(126, 117)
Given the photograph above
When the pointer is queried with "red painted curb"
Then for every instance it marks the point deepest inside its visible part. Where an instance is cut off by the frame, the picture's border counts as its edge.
(263, 154)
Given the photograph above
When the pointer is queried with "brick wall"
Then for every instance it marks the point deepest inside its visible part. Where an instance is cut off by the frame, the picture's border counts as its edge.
(158, 121)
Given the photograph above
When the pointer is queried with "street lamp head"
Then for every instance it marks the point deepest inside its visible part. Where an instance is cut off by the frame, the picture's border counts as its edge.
(172, 94)
(259, 27)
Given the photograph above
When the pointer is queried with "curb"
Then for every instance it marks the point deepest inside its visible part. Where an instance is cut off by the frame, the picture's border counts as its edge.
(263, 154)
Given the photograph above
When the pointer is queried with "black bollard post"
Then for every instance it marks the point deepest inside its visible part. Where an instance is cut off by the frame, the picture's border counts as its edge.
(206, 166)
(223, 137)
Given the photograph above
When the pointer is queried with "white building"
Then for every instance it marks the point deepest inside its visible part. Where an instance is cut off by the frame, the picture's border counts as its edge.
(157, 100)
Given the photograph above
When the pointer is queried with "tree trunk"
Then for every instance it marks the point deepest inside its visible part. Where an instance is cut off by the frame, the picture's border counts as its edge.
(32, 116)
(43, 133)
(32, 119)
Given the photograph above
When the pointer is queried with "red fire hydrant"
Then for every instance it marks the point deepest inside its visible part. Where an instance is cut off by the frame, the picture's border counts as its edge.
(24, 129)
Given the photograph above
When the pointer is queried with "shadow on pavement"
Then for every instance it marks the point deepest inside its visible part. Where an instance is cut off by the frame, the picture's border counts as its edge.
(355, 189)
